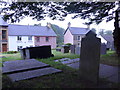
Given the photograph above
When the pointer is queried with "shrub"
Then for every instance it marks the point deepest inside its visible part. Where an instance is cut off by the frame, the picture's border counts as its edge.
(10, 52)
(68, 44)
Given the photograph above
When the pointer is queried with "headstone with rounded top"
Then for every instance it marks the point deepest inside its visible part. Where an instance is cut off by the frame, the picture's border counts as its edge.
(90, 57)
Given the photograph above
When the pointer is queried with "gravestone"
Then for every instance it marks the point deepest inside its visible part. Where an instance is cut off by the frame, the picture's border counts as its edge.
(32, 73)
(58, 49)
(90, 57)
(37, 52)
(77, 50)
(65, 49)
(103, 48)
(112, 46)
(22, 65)
(72, 49)
(23, 54)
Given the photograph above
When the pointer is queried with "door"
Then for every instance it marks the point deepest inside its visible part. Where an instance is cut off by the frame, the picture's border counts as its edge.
(4, 47)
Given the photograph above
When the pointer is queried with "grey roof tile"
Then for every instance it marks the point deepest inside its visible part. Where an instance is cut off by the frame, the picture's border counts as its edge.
(77, 30)
(30, 30)
(108, 38)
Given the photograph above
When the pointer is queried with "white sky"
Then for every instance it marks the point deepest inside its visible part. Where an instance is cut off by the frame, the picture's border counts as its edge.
(74, 23)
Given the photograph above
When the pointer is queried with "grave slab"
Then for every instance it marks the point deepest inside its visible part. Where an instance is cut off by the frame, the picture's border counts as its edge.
(32, 74)
(67, 60)
(22, 65)
(74, 65)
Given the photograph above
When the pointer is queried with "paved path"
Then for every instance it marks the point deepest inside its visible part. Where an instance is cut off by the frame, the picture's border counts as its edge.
(105, 71)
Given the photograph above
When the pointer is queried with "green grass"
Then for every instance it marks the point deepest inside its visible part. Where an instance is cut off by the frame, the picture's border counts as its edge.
(9, 57)
(68, 78)
(110, 59)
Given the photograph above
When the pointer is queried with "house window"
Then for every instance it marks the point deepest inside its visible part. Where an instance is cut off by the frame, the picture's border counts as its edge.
(19, 38)
(4, 34)
(79, 44)
(75, 37)
(19, 47)
(79, 38)
(30, 38)
(37, 39)
(47, 39)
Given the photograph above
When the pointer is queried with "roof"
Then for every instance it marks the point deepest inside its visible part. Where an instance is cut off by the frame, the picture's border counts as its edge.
(108, 38)
(2, 22)
(77, 30)
(30, 30)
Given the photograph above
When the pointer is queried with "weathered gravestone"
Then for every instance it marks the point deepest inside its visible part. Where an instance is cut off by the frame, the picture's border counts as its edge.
(23, 54)
(72, 49)
(37, 52)
(103, 48)
(90, 57)
(65, 49)
(77, 50)
(58, 49)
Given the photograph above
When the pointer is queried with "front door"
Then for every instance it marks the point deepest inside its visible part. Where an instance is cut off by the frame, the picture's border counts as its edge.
(4, 47)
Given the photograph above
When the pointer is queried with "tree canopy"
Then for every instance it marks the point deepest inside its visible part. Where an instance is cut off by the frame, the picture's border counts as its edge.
(94, 11)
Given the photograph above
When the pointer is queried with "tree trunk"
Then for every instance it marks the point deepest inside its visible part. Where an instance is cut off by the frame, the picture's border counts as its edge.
(116, 33)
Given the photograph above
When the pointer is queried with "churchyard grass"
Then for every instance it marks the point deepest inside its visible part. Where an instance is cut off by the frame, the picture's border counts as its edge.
(110, 59)
(68, 78)
(8, 57)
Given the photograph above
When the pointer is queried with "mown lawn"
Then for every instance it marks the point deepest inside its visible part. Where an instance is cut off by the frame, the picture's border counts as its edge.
(68, 78)
(110, 59)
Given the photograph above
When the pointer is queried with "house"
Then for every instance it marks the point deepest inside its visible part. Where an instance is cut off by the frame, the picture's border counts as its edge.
(15, 37)
(109, 41)
(21, 36)
(3, 35)
(74, 35)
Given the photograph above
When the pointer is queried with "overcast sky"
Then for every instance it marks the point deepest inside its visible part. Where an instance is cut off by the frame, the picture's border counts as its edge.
(74, 23)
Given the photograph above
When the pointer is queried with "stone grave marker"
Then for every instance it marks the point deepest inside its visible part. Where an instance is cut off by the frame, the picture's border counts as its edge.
(22, 65)
(72, 49)
(77, 50)
(103, 48)
(32, 74)
(23, 54)
(90, 57)
(37, 52)
(65, 49)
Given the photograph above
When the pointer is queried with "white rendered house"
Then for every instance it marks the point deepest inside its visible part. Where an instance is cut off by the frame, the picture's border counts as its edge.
(22, 36)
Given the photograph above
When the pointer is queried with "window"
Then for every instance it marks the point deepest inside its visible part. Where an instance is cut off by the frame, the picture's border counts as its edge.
(30, 38)
(47, 39)
(79, 44)
(37, 39)
(75, 37)
(79, 38)
(4, 34)
(19, 47)
(19, 38)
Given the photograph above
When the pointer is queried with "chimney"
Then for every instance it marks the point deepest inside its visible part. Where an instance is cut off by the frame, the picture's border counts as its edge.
(69, 24)
(88, 27)
(48, 25)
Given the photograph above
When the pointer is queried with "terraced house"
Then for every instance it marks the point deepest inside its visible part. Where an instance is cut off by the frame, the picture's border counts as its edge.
(74, 35)
(3, 35)
(15, 37)
(21, 36)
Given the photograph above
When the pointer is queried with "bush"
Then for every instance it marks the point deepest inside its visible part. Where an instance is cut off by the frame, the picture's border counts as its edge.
(10, 52)
(68, 44)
